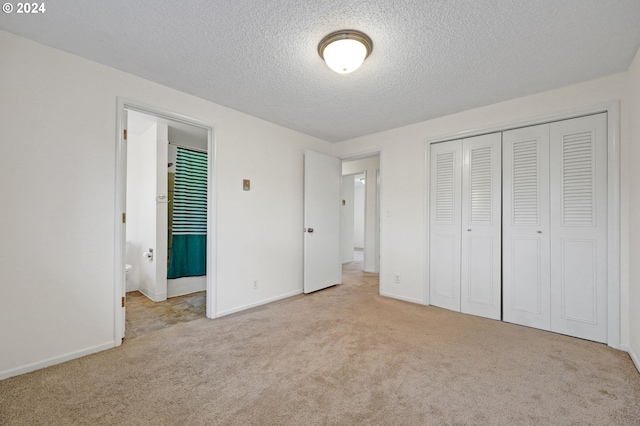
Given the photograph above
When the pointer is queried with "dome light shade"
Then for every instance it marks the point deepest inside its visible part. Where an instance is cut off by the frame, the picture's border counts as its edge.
(344, 51)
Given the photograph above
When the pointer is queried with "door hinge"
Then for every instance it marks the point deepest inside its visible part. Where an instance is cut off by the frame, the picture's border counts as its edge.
(125, 134)
(123, 301)
(124, 218)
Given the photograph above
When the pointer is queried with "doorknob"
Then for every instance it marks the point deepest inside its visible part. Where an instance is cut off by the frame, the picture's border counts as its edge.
(310, 230)
(469, 229)
(539, 232)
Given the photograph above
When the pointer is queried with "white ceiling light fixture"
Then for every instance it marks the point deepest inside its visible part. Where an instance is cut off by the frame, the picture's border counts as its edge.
(345, 50)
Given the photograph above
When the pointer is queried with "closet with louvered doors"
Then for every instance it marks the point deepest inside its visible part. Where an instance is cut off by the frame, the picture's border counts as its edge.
(518, 226)
(555, 227)
(465, 239)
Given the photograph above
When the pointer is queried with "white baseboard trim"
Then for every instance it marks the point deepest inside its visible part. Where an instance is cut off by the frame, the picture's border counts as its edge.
(186, 285)
(156, 297)
(253, 305)
(403, 298)
(55, 360)
(632, 354)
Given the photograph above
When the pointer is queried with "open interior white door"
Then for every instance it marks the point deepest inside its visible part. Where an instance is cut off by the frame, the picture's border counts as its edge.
(322, 183)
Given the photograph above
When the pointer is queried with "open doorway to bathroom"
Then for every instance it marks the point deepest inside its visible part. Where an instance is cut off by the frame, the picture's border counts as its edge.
(166, 240)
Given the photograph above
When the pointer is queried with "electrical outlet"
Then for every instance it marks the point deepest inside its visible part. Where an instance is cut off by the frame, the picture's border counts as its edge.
(397, 279)
(255, 284)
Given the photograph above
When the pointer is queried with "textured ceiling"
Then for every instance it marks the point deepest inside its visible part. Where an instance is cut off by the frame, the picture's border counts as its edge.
(430, 57)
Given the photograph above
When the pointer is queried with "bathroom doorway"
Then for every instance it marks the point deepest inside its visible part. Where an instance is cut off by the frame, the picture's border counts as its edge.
(165, 163)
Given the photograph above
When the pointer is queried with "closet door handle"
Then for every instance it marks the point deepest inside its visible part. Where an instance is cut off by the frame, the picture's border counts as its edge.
(539, 231)
(469, 229)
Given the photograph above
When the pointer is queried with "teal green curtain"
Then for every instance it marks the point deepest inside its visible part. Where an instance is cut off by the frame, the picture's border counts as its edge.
(189, 236)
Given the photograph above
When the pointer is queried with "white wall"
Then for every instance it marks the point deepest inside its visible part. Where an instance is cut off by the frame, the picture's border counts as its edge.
(146, 219)
(358, 215)
(347, 220)
(59, 131)
(634, 213)
(140, 182)
(194, 139)
(369, 166)
(402, 162)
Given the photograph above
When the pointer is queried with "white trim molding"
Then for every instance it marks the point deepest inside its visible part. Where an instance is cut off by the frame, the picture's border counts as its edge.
(55, 360)
(632, 355)
(403, 298)
(260, 303)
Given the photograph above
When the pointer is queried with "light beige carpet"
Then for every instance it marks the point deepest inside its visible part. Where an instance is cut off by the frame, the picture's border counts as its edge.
(342, 356)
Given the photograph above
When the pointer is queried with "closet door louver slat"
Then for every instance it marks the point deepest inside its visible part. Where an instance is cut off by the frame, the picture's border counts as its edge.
(578, 179)
(524, 191)
(481, 189)
(445, 203)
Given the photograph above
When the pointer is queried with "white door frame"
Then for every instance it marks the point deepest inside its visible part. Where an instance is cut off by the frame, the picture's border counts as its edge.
(613, 209)
(123, 105)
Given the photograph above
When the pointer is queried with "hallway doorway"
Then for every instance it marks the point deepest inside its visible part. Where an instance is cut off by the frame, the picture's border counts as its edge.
(361, 195)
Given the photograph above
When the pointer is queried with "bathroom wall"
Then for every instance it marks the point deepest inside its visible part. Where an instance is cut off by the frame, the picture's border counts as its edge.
(194, 139)
(146, 219)
(148, 140)
(135, 164)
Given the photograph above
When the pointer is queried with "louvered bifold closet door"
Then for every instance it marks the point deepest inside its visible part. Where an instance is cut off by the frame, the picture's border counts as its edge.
(525, 227)
(481, 187)
(578, 167)
(444, 224)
